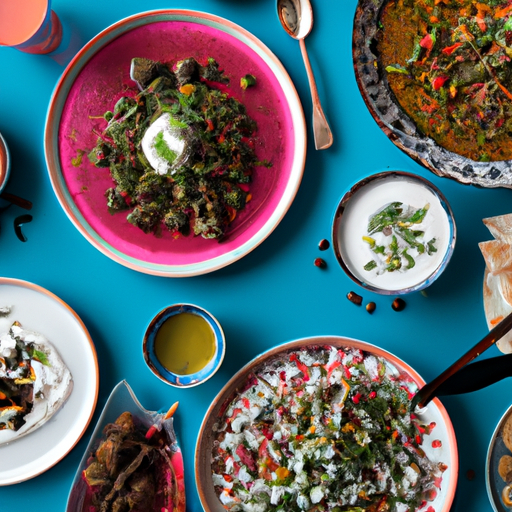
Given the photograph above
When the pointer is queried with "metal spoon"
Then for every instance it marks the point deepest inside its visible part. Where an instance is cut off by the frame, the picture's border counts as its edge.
(296, 16)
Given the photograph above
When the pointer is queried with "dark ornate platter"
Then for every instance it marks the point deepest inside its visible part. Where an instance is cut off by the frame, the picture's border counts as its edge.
(397, 125)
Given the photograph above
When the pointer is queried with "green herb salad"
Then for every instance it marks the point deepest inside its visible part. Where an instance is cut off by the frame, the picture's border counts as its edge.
(181, 152)
(324, 429)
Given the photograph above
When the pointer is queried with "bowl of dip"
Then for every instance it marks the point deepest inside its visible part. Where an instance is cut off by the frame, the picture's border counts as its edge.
(5, 163)
(184, 345)
(393, 233)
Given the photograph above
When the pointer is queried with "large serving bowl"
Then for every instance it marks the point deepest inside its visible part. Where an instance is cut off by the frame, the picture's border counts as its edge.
(99, 75)
(435, 412)
(384, 107)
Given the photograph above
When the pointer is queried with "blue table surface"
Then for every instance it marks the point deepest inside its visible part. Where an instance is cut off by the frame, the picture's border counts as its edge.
(274, 294)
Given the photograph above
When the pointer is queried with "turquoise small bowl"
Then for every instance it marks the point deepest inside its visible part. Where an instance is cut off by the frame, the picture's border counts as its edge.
(175, 379)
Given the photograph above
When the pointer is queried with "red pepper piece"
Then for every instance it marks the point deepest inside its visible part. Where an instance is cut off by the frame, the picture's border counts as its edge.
(439, 81)
(427, 42)
(450, 49)
(246, 457)
(301, 366)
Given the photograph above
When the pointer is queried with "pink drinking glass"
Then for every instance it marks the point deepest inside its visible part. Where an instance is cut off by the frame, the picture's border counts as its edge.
(29, 26)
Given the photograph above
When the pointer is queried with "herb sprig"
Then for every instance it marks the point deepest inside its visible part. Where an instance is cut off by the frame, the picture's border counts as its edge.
(397, 221)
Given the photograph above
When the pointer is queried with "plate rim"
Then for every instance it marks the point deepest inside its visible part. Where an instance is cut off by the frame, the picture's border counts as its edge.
(20, 283)
(54, 114)
(320, 340)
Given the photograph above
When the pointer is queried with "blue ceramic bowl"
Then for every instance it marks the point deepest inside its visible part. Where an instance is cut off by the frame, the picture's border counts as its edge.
(163, 373)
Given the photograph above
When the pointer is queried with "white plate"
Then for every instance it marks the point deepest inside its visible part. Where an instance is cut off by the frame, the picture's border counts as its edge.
(39, 310)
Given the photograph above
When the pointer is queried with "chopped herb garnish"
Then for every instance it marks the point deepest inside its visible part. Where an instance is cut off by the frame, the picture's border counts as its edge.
(163, 149)
(396, 221)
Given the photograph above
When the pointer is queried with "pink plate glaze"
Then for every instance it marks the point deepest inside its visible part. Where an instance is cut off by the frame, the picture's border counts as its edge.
(99, 75)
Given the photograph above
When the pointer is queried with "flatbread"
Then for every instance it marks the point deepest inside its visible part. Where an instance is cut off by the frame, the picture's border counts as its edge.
(496, 309)
(500, 227)
(50, 378)
(497, 255)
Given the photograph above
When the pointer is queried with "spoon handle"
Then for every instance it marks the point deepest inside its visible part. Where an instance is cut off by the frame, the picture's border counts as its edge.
(427, 392)
(321, 130)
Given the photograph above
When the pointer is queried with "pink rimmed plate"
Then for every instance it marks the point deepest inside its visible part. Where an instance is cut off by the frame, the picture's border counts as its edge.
(99, 75)
(440, 446)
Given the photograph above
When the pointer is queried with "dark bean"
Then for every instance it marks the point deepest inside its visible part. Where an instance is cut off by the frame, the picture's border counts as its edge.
(470, 474)
(18, 222)
(355, 298)
(324, 245)
(370, 307)
(319, 262)
(398, 304)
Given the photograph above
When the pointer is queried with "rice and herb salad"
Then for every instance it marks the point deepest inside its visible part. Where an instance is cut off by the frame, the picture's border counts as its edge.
(324, 429)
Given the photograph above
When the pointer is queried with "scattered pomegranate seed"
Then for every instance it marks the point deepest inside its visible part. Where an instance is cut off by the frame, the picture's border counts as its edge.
(319, 262)
(324, 244)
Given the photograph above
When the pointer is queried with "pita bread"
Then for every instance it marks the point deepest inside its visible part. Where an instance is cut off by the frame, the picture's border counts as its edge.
(498, 276)
(497, 255)
(500, 227)
(496, 309)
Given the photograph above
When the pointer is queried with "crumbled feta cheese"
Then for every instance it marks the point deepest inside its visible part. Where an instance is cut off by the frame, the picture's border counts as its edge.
(244, 475)
(316, 494)
(303, 502)
(277, 493)
(239, 422)
(411, 475)
(231, 439)
(220, 481)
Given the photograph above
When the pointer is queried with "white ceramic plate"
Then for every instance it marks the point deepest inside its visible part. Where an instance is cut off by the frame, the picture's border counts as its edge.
(434, 412)
(39, 310)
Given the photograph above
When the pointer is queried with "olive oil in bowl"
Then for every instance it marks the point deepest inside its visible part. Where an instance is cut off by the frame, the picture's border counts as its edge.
(184, 345)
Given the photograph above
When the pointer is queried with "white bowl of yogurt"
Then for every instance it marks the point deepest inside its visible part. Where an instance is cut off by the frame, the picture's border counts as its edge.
(393, 233)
